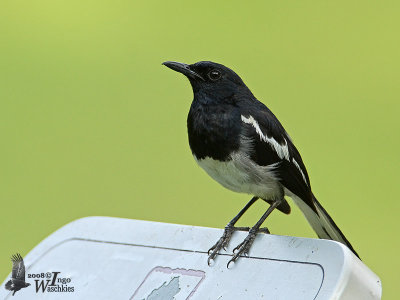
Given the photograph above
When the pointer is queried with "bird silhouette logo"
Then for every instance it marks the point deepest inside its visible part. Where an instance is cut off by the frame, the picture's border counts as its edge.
(17, 280)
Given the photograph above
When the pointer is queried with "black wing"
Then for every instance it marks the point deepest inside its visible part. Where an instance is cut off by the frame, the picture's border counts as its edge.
(272, 145)
(18, 270)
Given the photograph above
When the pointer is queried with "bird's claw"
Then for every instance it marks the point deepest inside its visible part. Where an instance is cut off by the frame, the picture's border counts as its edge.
(222, 243)
(244, 247)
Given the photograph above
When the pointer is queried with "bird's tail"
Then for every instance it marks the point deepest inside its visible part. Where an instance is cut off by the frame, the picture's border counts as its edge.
(9, 285)
(322, 223)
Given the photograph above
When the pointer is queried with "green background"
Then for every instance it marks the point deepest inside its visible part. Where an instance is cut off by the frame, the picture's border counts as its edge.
(92, 124)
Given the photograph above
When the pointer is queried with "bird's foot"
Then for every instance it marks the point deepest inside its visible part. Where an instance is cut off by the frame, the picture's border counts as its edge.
(244, 247)
(223, 242)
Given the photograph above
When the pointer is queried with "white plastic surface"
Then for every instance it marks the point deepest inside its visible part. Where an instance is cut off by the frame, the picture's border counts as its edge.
(112, 258)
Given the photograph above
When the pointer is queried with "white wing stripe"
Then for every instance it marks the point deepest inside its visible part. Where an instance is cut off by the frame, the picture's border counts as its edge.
(301, 171)
(281, 150)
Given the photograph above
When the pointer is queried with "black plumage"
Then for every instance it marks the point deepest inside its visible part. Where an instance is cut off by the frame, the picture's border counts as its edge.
(240, 143)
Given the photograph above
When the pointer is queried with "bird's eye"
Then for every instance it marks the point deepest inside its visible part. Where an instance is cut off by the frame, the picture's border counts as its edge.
(214, 75)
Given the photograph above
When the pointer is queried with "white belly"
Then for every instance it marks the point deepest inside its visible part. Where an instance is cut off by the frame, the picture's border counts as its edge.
(242, 175)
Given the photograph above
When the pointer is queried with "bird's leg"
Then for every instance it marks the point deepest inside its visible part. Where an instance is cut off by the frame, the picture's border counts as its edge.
(244, 247)
(229, 229)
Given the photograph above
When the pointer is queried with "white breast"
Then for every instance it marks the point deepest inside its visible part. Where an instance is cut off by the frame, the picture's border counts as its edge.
(241, 174)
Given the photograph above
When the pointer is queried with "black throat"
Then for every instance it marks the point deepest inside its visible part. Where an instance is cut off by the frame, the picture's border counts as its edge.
(213, 128)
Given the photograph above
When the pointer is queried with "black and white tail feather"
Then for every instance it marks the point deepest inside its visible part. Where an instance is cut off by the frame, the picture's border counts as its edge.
(322, 223)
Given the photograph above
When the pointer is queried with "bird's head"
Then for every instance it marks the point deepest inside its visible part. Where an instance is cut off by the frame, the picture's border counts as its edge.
(209, 78)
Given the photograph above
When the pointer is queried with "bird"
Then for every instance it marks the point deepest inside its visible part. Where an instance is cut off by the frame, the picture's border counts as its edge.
(243, 146)
(17, 280)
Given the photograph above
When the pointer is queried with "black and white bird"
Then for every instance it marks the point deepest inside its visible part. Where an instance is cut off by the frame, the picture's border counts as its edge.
(17, 280)
(240, 143)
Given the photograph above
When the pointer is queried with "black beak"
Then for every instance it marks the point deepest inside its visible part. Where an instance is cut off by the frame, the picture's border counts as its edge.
(182, 68)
